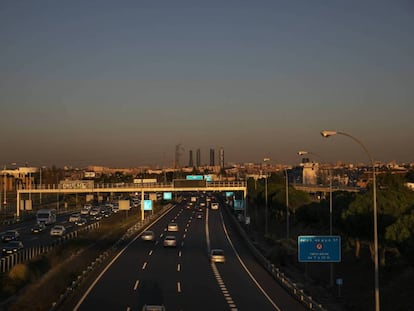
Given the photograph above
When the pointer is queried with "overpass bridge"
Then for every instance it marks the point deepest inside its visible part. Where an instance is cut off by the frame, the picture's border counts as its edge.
(90, 188)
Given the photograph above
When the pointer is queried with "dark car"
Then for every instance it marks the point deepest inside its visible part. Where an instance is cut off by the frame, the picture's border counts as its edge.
(12, 247)
(81, 222)
(37, 228)
(10, 235)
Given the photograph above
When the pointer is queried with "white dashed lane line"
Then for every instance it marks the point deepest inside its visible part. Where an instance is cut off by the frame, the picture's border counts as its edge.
(136, 285)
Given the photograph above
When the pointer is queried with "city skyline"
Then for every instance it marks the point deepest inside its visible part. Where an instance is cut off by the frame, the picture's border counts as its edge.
(121, 83)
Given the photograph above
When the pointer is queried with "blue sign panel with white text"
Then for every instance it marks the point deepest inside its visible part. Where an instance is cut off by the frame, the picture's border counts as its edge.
(313, 248)
(167, 196)
(147, 205)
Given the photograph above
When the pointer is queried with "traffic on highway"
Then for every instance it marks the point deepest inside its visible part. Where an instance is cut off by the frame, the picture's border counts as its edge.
(186, 262)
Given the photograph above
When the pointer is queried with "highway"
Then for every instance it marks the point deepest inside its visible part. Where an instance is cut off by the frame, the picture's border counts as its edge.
(182, 278)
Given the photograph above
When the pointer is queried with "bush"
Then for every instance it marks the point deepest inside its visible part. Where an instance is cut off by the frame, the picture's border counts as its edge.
(19, 273)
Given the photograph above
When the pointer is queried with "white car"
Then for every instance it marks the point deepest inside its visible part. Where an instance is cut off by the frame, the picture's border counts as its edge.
(95, 211)
(172, 227)
(58, 230)
(84, 211)
(74, 217)
(217, 255)
(170, 241)
(148, 236)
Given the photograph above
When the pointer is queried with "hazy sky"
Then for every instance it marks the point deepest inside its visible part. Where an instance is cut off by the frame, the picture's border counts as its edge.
(120, 83)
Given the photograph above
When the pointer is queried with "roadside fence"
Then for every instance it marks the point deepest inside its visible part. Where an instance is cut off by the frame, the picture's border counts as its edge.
(276, 273)
(8, 262)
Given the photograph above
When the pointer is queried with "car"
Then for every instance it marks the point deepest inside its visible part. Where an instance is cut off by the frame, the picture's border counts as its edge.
(217, 255)
(214, 206)
(148, 235)
(74, 217)
(37, 228)
(12, 247)
(57, 230)
(10, 235)
(153, 308)
(81, 222)
(95, 211)
(172, 227)
(199, 215)
(84, 211)
(107, 213)
(98, 216)
(170, 241)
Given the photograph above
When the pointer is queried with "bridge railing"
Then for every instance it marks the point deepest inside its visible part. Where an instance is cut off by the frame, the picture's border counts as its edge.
(122, 185)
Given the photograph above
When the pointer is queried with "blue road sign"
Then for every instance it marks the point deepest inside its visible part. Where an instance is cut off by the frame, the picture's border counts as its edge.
(147, 205)
(238, 205)
(313, 248)
(194, 177)
(167, 195)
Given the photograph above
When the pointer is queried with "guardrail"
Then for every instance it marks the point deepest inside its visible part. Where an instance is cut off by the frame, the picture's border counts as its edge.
(275, 272)
(8, 262)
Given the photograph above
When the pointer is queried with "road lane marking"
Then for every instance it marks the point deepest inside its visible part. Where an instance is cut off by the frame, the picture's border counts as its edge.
(150, 253)
(179, 254)
(90, 288)
(144, 266)
(222, 286)
(136, 285)
(178, 267)
(184, 236)
(245, 267)
(179, 287)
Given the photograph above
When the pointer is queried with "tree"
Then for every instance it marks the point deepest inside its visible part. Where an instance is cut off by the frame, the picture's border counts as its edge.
(394, 200)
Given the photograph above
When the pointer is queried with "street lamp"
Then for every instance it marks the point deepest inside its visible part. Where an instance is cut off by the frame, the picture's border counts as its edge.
(266, 207)
(330, 206)
(374, 195)
(287, 204)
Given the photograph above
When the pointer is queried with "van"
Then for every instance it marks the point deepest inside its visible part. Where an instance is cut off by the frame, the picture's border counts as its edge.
(46, 216)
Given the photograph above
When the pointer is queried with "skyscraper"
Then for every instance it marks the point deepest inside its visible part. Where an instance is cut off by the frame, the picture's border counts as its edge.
(211, 157)
(198, 158)
(190, 159)
(221, 157)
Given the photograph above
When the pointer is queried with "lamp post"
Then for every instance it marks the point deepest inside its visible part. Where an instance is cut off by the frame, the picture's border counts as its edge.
(266, 201)
(374, 195)
(40, 180)
(287, 204)
(330, 208)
